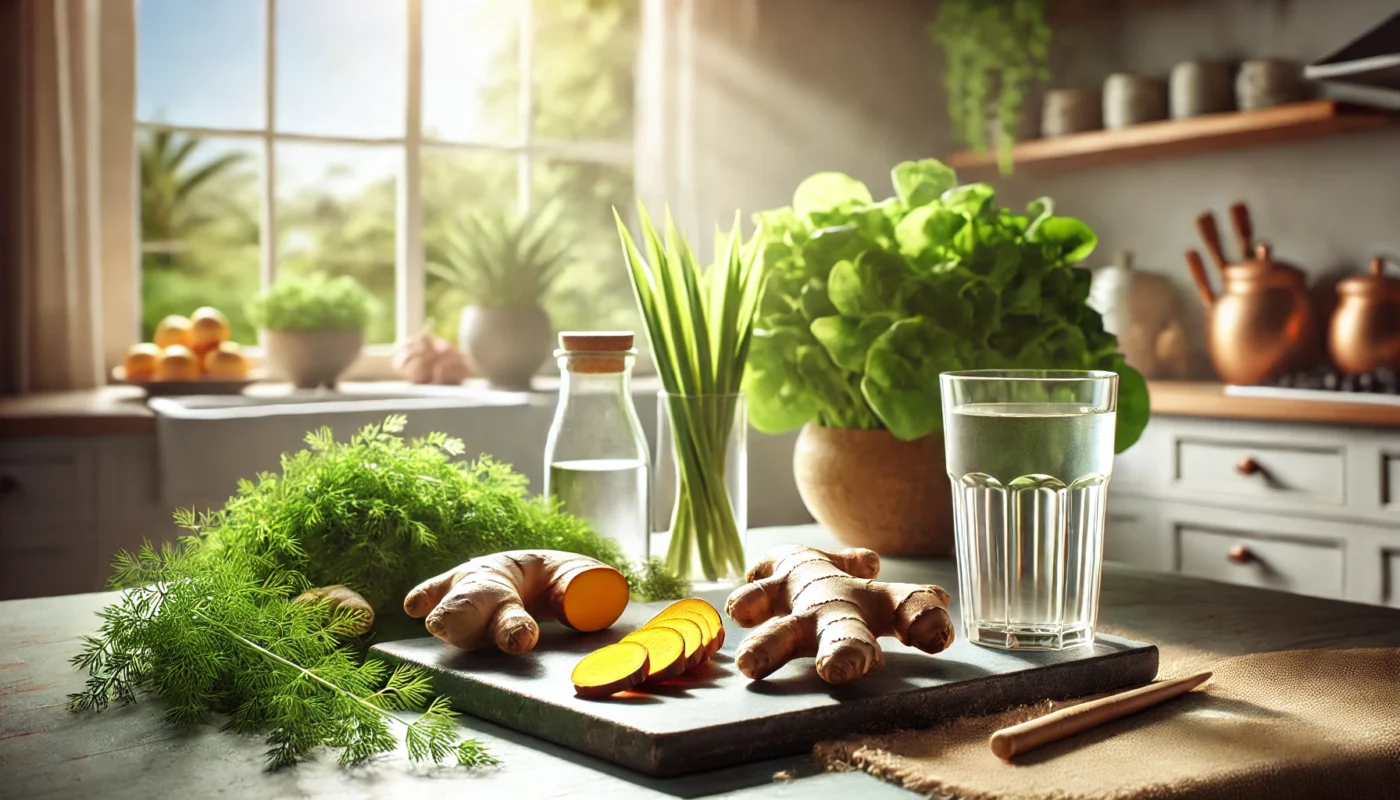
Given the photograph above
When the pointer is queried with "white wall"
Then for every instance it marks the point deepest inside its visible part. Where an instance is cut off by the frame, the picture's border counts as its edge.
(1327, 205)
(784, 88)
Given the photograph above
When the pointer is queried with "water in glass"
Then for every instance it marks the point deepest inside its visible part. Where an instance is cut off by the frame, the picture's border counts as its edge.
(1029, 464)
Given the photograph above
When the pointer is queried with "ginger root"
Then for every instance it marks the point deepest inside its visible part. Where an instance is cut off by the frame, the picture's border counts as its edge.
(497, 598)
(340, 596)
(611, 669)
(810, 602)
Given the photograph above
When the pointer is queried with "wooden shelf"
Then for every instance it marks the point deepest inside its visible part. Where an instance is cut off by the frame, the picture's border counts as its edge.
(1199, 399)
(1182, 137)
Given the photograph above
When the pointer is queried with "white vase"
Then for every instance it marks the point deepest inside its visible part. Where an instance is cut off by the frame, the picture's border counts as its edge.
(311, 358)
(505, 345)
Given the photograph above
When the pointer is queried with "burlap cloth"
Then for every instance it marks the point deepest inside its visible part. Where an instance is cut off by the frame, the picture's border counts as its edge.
(1291, 724)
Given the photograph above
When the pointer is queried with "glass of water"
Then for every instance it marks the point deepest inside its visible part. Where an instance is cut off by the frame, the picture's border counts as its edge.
(1030, 453)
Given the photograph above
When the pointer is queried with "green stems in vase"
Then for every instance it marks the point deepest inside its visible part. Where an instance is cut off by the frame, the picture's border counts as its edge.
(700, 325)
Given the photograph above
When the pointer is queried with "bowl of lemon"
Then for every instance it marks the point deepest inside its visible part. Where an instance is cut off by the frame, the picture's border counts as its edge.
(188, 355)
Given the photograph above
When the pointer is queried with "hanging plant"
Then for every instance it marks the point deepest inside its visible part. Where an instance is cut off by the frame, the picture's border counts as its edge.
(995, 53)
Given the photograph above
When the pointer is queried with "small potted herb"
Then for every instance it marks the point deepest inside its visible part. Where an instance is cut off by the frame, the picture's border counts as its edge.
(504, 265)
(312, 326)
(995, 54)
(867, 302)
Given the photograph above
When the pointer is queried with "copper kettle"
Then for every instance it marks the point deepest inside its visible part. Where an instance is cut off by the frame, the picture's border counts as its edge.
(1262, 323)
(1365, 331)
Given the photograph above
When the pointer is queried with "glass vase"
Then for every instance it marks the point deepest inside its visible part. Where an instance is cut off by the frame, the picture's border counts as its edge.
(702, 484)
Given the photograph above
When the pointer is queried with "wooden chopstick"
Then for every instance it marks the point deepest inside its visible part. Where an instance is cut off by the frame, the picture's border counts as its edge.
(1066, 722)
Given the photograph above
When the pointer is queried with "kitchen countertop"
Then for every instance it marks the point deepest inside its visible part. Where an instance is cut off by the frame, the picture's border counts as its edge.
(114, 410)
(129, 752)
(117, 410)
(1204, 399)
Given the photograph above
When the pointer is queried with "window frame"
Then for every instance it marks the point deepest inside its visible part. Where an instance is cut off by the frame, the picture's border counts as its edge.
(122, 127)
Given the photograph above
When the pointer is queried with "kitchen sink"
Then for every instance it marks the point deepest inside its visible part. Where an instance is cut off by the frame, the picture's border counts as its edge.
(206, 443)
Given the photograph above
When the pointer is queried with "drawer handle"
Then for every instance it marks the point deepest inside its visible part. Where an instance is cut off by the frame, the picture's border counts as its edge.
(1248, 466)
(1239, 554)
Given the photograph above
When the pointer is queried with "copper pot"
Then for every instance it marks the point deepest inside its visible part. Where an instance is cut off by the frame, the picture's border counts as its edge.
(1262, 323)
(1365, 331)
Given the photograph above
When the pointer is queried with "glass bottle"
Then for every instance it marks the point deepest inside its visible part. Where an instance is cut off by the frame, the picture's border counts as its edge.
(596, 459)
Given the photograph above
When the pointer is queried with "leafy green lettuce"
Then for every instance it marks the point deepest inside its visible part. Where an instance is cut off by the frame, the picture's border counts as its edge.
(867, 302)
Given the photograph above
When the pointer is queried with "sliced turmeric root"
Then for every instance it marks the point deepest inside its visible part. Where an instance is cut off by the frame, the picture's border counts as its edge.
(665, 651)
(611, 669)
(712, 624)
(690, 630)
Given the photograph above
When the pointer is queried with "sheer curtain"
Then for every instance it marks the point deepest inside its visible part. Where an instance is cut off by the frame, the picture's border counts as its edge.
(50, 299)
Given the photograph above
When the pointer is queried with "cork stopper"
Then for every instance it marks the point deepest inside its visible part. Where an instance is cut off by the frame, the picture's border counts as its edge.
(595, 352)
(596, 341)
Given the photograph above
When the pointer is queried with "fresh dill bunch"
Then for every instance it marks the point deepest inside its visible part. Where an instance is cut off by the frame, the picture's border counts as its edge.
(209, 624)
(379, 513)
(655, 581)
(223, 637)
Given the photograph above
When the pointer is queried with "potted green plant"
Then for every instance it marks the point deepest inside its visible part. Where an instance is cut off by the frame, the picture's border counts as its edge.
(504, 265)
(995, 53)
(312, 326)
(867, 302)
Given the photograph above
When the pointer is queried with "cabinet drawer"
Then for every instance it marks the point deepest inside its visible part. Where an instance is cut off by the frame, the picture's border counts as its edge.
(57, 487)
(1311, 475)
(1290, 565)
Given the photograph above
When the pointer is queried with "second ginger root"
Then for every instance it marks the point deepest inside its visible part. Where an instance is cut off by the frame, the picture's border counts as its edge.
(808, 602)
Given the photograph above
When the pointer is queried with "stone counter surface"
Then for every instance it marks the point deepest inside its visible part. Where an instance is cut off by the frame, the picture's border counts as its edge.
(45, 751)
(116, 410)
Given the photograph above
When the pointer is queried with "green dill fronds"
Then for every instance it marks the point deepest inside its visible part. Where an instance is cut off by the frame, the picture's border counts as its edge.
(208, 623)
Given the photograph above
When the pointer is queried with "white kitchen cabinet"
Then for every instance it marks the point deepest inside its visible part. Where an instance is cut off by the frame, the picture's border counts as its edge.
(1310, 509)
(68, 504)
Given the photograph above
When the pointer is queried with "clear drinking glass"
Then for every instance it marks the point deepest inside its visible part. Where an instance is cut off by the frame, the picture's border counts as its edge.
(597, 464)
(1030, 453)
(702, 484)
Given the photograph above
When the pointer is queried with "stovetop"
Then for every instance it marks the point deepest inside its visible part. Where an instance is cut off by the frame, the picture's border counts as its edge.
(1381, 387)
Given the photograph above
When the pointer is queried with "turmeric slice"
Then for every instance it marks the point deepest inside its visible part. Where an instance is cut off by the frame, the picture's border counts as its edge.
(691, 631)
(665, 652)
(808, 602)
(713, 624)
(610, 670)
(496, 599)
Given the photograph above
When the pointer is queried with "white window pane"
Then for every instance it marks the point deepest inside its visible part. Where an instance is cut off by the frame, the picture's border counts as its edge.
(456, 184)
(593, 292)
(341, 67)
(471, 70)
(336, 214)
(199, 227)
(584, 68)
(200, 63)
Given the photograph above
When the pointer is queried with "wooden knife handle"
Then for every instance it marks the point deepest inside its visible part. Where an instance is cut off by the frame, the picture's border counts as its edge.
(1210, 234)
(1244, 227)
(1198, 274)
(1066, 722)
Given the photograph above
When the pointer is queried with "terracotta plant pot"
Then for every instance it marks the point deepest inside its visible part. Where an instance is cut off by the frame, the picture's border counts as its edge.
(311, 359)
(505, 345)
(873, 490)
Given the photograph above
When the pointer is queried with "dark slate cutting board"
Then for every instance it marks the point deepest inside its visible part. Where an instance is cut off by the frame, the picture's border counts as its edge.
(714, 716)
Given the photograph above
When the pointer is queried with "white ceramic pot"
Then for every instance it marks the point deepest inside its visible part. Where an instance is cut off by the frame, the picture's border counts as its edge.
(505, 345)
(311, 359)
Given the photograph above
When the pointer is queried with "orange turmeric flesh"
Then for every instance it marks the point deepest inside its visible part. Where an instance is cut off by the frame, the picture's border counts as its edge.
(610, 670)
(712, 625)
(689, 629)
(665, 650)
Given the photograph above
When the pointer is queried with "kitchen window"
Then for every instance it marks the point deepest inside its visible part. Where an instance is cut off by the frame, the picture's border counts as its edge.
(348, 136)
